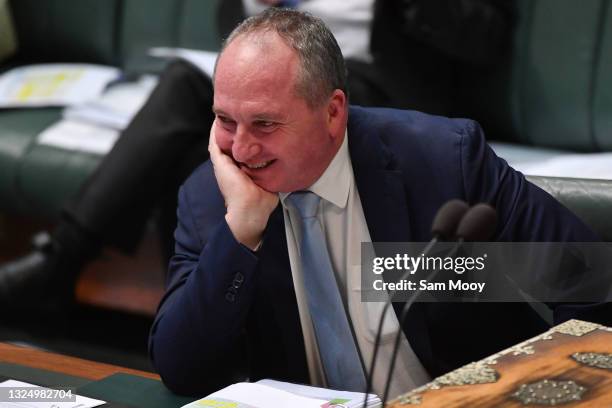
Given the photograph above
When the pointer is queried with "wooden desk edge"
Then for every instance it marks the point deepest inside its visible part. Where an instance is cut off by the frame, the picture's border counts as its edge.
(64, 364)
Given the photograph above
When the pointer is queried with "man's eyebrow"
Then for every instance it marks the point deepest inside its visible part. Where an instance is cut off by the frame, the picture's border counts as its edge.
(263, 116)
(268, 116)
(219, 112)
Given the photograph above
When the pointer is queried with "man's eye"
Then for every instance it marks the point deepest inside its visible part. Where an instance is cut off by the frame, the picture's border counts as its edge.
(264, 123)
(223, 119)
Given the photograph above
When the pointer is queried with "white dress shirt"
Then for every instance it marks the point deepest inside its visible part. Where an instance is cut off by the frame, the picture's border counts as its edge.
(345, 228)
(349, 20)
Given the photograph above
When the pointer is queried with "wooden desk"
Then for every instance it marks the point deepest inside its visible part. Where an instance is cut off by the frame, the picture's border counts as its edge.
(63, 364)
(572, 359)
(121, 387)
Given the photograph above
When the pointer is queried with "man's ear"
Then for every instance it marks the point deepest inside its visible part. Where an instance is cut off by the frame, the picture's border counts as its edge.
(337, 109)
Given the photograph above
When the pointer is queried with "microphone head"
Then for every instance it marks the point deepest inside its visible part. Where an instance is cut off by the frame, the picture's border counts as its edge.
(478, 224)
(448, 217)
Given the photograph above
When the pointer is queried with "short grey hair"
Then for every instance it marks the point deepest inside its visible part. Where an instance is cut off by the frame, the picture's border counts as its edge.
(322, 68)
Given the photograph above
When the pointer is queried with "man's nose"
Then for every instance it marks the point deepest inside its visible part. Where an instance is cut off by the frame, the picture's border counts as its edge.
(245, 146)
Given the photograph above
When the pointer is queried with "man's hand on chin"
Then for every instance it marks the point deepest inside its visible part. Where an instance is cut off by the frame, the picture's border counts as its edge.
(248, 205)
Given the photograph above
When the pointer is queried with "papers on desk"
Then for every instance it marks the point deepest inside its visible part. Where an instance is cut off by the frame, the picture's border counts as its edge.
(538, 161)
(80, 402)
(95, 126)
(53, 84)
(117, 106)
(585, 165)
(270, 393)
(81, 136)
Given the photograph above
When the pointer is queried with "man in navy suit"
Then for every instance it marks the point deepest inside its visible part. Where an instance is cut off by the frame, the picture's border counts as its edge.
(235, 304)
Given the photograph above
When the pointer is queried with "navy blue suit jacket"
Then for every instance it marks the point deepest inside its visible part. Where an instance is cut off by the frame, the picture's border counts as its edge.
(229, 312)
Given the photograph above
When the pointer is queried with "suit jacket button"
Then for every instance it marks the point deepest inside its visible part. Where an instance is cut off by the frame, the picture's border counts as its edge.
(238, 277)
(230, 297)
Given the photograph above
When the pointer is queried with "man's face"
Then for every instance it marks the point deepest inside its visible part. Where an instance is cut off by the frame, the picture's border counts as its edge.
(281, 143)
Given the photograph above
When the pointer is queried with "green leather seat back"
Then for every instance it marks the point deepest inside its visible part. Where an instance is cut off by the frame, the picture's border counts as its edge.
(602, 105)
(167, 23)
(199, 28)
(18, 132)
(49, 176)
(587, 198)
(66, 30)
(557, 72)
(552, 90)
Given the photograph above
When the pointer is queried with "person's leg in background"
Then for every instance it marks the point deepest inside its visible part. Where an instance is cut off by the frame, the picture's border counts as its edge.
(162, 145)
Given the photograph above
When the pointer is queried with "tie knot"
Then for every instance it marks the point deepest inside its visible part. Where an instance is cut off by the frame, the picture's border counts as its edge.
(305, 202)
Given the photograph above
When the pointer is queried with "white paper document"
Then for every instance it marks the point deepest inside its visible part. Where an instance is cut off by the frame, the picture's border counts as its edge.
(117, 106)
(204, 60)
(586, 165)
(53, 84)
(537, 161)
(75, 135)
(95, 126)
(18, 398)
(270, 393)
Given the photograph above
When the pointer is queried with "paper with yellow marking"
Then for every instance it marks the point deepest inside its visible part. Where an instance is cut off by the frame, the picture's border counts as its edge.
(251, 395)
(54, 84)
(270, 393)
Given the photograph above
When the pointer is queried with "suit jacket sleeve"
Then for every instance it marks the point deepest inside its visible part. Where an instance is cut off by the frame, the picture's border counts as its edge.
(526, 212)
(195, 342)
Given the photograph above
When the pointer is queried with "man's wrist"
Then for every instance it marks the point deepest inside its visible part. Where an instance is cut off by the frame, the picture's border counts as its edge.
(247, 231)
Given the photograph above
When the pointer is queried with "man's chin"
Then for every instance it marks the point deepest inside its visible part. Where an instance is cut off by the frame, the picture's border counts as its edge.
(266, 185)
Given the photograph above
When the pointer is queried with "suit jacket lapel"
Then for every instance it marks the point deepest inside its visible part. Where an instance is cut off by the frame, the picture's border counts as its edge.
(380, 184)
(384, 200)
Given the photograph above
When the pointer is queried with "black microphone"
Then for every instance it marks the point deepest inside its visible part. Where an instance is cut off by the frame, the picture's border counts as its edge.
(447, 219)
(443, 227)
(478, 224)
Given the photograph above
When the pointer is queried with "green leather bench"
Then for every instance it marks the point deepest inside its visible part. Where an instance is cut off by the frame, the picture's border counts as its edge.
(37, 179)
(589, 199)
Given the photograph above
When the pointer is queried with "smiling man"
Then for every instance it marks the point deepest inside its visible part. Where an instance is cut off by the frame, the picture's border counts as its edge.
(264, 282)
(278, 126)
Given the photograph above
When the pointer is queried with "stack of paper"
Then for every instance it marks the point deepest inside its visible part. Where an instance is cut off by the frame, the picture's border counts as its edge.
(98, 106)
(270, 393)
(95, 126)
(116, 107)
(53, 84)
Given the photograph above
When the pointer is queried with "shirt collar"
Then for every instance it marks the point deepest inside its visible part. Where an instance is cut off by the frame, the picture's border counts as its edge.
(335, 182)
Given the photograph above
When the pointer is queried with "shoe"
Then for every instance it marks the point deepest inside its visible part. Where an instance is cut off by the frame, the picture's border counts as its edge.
(37, 279)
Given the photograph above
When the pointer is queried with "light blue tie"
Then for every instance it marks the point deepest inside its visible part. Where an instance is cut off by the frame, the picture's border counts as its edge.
(341, 362)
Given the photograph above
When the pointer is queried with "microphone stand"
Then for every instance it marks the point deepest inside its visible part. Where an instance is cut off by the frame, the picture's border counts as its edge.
(477, 224)
(402, 318)
(445, 223)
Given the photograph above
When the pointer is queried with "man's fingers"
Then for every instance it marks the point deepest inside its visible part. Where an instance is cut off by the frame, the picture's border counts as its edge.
(216, 155)
(212, 139)
(213, 147)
